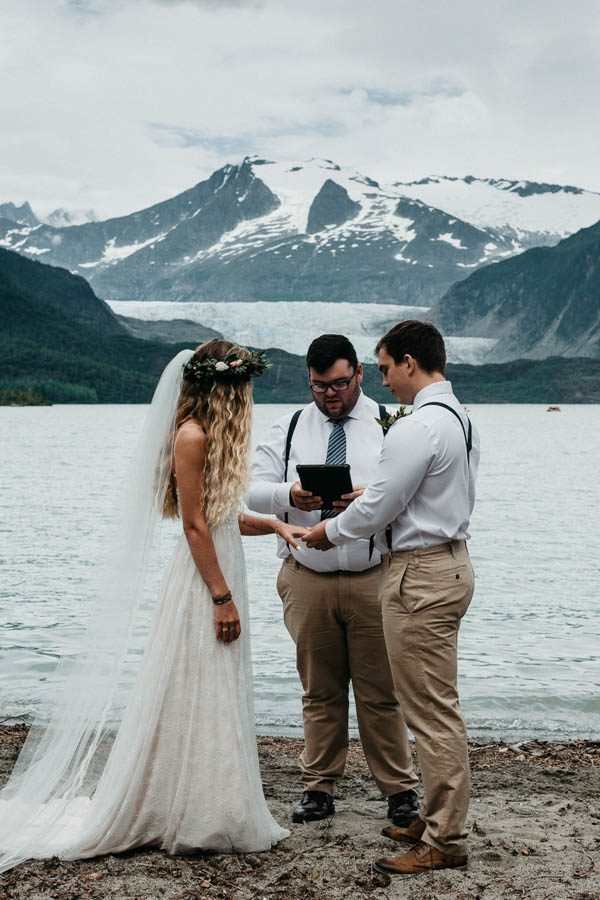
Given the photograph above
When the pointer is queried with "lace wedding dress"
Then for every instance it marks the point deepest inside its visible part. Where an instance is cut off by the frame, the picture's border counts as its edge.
(183, 771)
(176, 765)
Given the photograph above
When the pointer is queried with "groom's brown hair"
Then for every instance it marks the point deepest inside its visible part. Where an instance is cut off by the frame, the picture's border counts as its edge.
(421, 340)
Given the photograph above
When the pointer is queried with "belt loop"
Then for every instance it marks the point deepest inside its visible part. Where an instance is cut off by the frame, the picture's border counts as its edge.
(296, 564)
(451, 546)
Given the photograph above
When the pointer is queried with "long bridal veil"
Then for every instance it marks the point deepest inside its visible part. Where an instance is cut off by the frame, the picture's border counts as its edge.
(65, 754)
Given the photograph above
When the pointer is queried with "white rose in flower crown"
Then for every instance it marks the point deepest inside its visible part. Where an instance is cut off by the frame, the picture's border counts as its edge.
(221, 366)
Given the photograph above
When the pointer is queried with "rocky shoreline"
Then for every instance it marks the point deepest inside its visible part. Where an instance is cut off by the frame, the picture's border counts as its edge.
(535, 833)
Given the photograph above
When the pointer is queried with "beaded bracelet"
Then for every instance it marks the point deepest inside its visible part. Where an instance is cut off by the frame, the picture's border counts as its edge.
(224, 599)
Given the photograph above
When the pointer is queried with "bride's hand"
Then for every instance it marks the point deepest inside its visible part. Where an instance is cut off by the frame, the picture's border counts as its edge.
(227, 622)
(288, 533)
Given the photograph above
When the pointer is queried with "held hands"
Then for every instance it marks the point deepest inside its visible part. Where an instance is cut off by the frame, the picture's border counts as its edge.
(289, 533)
(316, 538)
(227, 622)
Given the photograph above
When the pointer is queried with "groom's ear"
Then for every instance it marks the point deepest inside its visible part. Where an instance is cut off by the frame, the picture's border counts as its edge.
(411, 363)
(359, 373)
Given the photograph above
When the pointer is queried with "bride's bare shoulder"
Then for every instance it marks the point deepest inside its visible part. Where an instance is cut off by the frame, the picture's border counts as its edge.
(190, 437)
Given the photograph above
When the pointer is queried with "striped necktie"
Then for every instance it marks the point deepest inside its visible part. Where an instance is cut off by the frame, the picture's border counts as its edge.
(336, 454)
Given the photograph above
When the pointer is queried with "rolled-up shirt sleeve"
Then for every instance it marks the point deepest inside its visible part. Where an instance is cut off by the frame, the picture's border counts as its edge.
(408, 451)
(268, 493)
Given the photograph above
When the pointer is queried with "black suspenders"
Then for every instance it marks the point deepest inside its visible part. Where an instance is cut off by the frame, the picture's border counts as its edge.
(292, 428)
(288, 447)
(288, 442)
(468, 435)
(469, 444)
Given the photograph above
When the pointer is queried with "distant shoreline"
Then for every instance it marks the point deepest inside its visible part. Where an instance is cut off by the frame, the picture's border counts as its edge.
(546, 382)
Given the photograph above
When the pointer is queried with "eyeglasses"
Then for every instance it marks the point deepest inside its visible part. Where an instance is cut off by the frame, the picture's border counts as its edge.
(340, 384)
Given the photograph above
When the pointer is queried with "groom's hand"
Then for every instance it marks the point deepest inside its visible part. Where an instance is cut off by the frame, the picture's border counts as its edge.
(317, 539)
(304, 500)
(346, 499)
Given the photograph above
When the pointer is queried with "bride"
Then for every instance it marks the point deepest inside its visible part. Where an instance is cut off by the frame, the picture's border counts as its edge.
(171, 762)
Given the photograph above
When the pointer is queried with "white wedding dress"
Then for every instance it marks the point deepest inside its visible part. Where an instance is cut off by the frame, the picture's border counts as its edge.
(171, 761)
(183, 771)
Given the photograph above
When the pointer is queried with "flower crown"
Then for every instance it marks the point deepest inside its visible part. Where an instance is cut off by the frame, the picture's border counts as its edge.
(231, 369)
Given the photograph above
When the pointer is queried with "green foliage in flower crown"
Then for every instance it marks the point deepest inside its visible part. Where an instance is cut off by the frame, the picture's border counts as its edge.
(230, 369)
(388, 420)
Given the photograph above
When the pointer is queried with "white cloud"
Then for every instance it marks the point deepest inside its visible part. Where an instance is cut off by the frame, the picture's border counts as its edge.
(114, 104)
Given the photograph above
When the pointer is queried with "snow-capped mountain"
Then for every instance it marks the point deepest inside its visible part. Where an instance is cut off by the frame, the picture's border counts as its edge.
(265, 230)
(532, 212)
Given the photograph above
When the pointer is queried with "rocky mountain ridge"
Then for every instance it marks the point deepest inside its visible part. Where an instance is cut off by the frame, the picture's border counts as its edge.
(545, 302)
(263, 230)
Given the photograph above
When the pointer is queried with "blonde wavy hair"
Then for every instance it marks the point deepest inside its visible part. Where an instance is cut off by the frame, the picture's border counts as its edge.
(224, 412)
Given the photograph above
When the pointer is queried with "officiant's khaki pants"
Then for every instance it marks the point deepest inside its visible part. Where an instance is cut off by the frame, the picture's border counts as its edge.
(334, 619)
(425, 593)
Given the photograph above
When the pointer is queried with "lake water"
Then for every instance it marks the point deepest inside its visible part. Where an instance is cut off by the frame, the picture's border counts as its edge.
(529, 646)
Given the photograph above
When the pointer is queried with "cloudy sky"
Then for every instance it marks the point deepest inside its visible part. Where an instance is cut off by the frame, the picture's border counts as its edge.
(115, 104)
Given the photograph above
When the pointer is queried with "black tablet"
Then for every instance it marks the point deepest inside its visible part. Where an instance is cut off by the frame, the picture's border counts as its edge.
(327, 482)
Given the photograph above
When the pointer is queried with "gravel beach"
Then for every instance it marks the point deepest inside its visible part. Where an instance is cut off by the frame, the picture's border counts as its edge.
(535, 833)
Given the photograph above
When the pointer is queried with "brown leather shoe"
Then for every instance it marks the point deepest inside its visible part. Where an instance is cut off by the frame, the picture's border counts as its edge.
(410, 835)
(422, 858)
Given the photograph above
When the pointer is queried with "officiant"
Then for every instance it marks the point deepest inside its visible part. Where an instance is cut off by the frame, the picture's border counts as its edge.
(330, 600)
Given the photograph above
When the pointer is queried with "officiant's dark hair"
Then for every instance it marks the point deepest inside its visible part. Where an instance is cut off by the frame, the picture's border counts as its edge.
(421, 340)
(328, 348)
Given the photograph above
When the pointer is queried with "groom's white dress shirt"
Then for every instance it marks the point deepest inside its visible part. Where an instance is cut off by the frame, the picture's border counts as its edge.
(425, 483)
(270, 494)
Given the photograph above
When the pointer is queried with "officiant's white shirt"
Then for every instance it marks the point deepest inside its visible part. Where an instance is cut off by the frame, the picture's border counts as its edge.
(424, 485)
(270, 494)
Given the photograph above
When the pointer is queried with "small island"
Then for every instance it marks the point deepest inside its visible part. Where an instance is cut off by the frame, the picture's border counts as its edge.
(22, 397)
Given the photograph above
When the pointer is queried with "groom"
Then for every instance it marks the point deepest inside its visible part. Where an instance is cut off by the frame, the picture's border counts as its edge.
(424, 486)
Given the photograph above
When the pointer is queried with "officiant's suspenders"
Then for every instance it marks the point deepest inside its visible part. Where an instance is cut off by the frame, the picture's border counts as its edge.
(469, 444)
(288, 447)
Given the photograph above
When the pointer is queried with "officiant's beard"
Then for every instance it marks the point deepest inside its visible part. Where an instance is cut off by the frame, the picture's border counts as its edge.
(341, 404)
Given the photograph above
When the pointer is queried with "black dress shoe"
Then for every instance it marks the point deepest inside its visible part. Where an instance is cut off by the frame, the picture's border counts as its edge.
(314, 805)
(403, 808)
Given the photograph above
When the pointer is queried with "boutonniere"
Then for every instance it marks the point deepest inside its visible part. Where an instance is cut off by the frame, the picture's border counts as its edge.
(388, 420)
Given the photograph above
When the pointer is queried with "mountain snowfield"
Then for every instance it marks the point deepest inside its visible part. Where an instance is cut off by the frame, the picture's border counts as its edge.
(306, 231)
(530, 209)
(536, 213)
(291, 326)
(271, 253)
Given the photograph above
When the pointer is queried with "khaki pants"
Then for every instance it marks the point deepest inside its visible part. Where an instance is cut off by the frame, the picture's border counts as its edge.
(424, 595)
(334, 619)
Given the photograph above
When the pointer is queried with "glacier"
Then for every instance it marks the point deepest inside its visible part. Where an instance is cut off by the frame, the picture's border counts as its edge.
(292, 325)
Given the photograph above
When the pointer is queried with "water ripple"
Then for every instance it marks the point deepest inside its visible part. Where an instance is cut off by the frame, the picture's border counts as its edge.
(529, 657)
